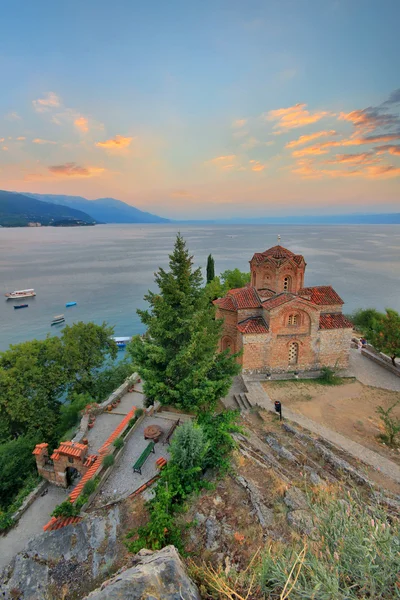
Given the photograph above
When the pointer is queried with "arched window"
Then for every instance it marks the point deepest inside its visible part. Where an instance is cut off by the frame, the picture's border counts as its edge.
(293, 353)
(293, 320)
(287, 284)
(227, 344)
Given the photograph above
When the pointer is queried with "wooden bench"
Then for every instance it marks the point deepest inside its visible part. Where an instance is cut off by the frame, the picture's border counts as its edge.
(137, 467)
(171, 431)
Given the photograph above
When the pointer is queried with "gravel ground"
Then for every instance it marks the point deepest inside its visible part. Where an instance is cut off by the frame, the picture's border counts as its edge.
(30, 524)
(123, 480)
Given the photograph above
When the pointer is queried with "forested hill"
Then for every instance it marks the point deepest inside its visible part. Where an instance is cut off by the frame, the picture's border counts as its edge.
(104, 210)
(17, 210)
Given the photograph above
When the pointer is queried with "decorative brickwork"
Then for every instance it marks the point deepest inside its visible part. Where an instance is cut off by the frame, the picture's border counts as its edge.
(279, 324)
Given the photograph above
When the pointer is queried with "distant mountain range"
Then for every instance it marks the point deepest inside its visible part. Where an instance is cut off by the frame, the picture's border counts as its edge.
(103, 210)
(18, 210)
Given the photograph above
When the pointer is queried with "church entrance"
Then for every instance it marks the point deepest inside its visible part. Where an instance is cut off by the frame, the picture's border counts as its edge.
(72, 475)
(293, 353)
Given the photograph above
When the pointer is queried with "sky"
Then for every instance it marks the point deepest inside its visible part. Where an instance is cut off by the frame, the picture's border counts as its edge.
(204, 109)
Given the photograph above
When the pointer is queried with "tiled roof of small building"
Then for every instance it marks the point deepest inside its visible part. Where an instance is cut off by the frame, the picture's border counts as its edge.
(39, 448)
(277, 300)
(334, 321)
(265, 294)
(245, 297)
(69, 449)
(59, 522)
(253, 325)
(279, 253)
(322, 294)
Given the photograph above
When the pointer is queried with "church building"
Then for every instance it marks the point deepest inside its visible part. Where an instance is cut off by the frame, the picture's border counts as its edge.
(280, 325)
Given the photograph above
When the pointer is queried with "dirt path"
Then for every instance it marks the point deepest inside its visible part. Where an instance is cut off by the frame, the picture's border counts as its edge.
(349, 409)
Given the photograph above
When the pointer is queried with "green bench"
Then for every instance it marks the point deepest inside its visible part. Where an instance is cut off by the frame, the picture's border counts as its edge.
(137, 467)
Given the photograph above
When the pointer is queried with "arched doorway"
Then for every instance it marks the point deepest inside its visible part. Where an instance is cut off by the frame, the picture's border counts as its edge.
(227, 344)
(72, 475)
(293, 353)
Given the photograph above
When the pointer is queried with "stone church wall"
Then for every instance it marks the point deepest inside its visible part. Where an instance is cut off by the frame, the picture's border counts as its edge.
(335, 347)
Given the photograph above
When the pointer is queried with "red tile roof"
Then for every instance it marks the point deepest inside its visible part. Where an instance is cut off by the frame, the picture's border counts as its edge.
(278, 253)
(245, 297)
(39, 448)
(277, 300)
(334, 321)
(253, 325)
(322, 294)
(265, 294)
(225, 303)
(59, 522)
(69, 449)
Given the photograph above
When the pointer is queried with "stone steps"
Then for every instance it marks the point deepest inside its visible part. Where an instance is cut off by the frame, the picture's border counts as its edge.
(242, 401)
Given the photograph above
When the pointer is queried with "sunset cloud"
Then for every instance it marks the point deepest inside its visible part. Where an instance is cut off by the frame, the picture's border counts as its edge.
(255, 165)
(312, 150)
(369, 119)
(119, 142)
(21, 138)
(253, 142)
(360, 158)
(303, 139)
(82, 124)
(391, 149)
(51, 100)
(2, 140)
(40, 141)
(74, 170)
(13, 116)
(239, 123)
(222, 159)
(294, 116)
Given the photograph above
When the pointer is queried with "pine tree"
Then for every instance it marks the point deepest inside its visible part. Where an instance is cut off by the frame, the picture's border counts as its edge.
(210, 268)
(178, 358)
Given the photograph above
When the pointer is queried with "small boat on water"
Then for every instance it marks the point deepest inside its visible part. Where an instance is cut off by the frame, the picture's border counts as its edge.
(21, 305)
(121, 341)
(20, 294)
(70, 304)
(58, 319)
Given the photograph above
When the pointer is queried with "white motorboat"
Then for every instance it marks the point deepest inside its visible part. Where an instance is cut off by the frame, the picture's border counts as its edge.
(20, 294)
(58, 319)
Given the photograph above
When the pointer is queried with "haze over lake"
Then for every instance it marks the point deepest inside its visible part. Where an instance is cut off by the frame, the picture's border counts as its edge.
(107, 269)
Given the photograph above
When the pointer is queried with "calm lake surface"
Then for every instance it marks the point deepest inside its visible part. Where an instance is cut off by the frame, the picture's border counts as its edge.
(107, 269)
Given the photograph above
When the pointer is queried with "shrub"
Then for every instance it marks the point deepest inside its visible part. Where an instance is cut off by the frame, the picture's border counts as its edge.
(118, 443)
(83, 498)
(328, 376)
(391, 425)
(188, 447)
(89, 487)
(354, 554)
(108, 461)
(65, 509)
(217, 429)
(139, 413)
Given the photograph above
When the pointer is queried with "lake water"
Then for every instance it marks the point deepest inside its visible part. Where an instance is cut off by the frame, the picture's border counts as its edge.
(107, 269)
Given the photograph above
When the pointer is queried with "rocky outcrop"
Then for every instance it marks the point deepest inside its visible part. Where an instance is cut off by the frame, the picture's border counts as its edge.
(299, 515)
(156, 575)
(63, 561)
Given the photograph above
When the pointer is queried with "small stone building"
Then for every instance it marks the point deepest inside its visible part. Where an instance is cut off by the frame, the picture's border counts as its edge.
(66, 463)
(280, 325)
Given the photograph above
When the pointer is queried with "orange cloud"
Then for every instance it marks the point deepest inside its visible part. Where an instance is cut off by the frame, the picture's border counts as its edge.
(74, 170)
(360, 158)
(303, 139)
(383, 171)
(5, 148)
(51, 100)
(219, 159)
(294, 116)
(2, 140)
(391, 149)
(119, 142)
(21, 138)
(82, 124)
(311, 150)
(368, 119)
(239, 123)
(40, 141)
(305, 168)
(257, 166)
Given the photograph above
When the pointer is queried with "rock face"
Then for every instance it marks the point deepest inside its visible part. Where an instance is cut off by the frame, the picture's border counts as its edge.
(69, 558)
(299, 516)
(156, 575)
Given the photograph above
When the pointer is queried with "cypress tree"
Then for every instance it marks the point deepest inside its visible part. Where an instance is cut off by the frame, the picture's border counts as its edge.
(210, 268)
(177, 358)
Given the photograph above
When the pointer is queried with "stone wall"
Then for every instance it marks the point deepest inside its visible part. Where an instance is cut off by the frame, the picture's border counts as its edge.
(334, 348)
(381, 359)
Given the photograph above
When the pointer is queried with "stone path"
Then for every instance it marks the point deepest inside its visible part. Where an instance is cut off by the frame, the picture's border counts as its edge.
(370, 373)
(123, 481)
(259, 396)
(30, 524)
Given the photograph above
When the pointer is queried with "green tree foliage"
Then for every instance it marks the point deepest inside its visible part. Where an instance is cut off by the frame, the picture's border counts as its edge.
(210, 268)
(65, 509)
(110, 377)
(188, 447)
(16, 464)
(363, 319)
(385, 334)
(217, 430)
(234, 279)
(86, 348)
(178, 358)
(32, 380)
(70, 412)
(391, 425)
